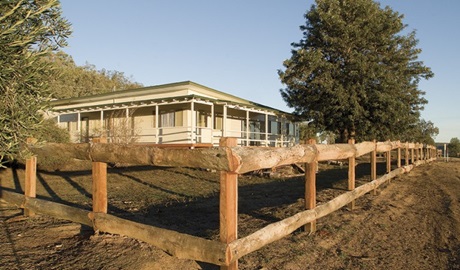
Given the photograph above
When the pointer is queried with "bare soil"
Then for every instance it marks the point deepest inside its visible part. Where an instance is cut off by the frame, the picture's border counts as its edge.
(412, 223)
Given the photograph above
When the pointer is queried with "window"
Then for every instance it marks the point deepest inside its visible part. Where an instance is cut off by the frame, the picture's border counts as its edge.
(201, 119)
(218, 123)
(171, 119)
(167, 119)
(275, 127)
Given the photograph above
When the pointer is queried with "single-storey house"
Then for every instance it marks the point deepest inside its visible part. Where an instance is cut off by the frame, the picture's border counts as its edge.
(175, 113)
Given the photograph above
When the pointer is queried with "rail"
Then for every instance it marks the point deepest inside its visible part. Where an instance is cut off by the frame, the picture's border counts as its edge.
(231, 160)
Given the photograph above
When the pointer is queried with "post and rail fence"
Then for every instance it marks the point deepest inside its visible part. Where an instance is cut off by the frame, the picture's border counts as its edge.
(230, 160)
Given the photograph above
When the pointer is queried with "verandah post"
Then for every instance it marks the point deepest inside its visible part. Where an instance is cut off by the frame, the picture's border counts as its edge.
(99, 174)
(310, 189)
(351, 174)
(228, 203)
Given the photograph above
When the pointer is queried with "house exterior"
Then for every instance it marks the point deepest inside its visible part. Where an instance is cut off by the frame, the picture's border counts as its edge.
(176, 113)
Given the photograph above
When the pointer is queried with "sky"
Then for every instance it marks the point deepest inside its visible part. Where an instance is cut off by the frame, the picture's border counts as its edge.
(238, 46)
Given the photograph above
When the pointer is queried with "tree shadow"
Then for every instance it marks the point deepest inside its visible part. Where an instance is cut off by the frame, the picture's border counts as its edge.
(17, 183)
(199, 216)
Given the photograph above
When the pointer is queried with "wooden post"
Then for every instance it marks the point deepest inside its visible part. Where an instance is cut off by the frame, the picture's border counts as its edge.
(30, 182)
(374, 166)
(310, 189)
(388, 161)
(99, 174)
(412, 155)
(399, 157)
(351, 174)
(228, 205)
(406, 154)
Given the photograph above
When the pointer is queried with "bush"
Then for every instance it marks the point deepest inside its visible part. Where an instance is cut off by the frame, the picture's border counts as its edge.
(48, 131)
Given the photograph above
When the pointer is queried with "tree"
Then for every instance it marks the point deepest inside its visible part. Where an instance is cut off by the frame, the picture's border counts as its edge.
(422, 132)
(29, 31)
(76, 81)
(454, 147)
(353, 72)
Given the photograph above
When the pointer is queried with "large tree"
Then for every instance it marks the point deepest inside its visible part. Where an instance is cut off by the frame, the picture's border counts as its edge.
(355, 72)
(76, 81)
(454, 147)
(29, 30)
(423, 132)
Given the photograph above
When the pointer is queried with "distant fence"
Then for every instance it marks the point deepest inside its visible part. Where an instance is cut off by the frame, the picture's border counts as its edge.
(231, 161)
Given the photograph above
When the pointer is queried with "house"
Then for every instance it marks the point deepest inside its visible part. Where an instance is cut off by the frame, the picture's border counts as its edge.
(175, 113)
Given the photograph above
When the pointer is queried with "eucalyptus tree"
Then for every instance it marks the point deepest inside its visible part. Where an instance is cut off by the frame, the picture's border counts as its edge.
(77, 81)
(355, 71)
(29, 30)
(454, 147)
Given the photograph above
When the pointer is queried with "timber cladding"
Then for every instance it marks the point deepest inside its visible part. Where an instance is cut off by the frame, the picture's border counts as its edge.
(231, 161)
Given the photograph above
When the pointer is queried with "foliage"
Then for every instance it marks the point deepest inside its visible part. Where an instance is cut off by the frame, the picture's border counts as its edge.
(29, 31)
(309, 131)
(423, 132)
(76, 81)
(120, 128)
(454, 147)
(354, 73)
(48, 131)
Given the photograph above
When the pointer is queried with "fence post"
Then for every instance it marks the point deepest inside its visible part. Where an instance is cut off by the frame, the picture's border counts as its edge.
(310, 189)
(30, 185)
(228, 203)
(388, 161)
(351, 173)
(399, 155)
(99, 173)
(374, 165)
(412, 155)
(406, 153)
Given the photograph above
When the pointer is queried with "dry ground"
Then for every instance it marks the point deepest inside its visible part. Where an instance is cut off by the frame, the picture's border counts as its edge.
(413, 222)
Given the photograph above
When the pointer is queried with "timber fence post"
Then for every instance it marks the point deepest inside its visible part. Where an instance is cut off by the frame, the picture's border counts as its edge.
(388, 161)
(351, 174)
(406, 153)
(30, 183)
(99, 174)
(399, 155)
(412, 155)
(374, 165)
(228, 204)
(310, 188)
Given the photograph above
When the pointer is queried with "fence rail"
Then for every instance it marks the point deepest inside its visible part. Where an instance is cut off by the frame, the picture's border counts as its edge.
(231, 160)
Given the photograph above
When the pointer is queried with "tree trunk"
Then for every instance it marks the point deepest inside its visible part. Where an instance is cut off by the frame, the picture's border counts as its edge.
(344, 136)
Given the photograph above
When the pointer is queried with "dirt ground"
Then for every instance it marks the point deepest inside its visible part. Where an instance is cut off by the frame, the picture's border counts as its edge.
(412, 223)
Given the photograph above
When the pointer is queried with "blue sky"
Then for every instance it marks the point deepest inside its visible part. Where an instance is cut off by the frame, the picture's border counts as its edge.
(238, 46)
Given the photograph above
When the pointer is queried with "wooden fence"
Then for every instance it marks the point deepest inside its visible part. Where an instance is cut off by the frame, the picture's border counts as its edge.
(231, 161)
